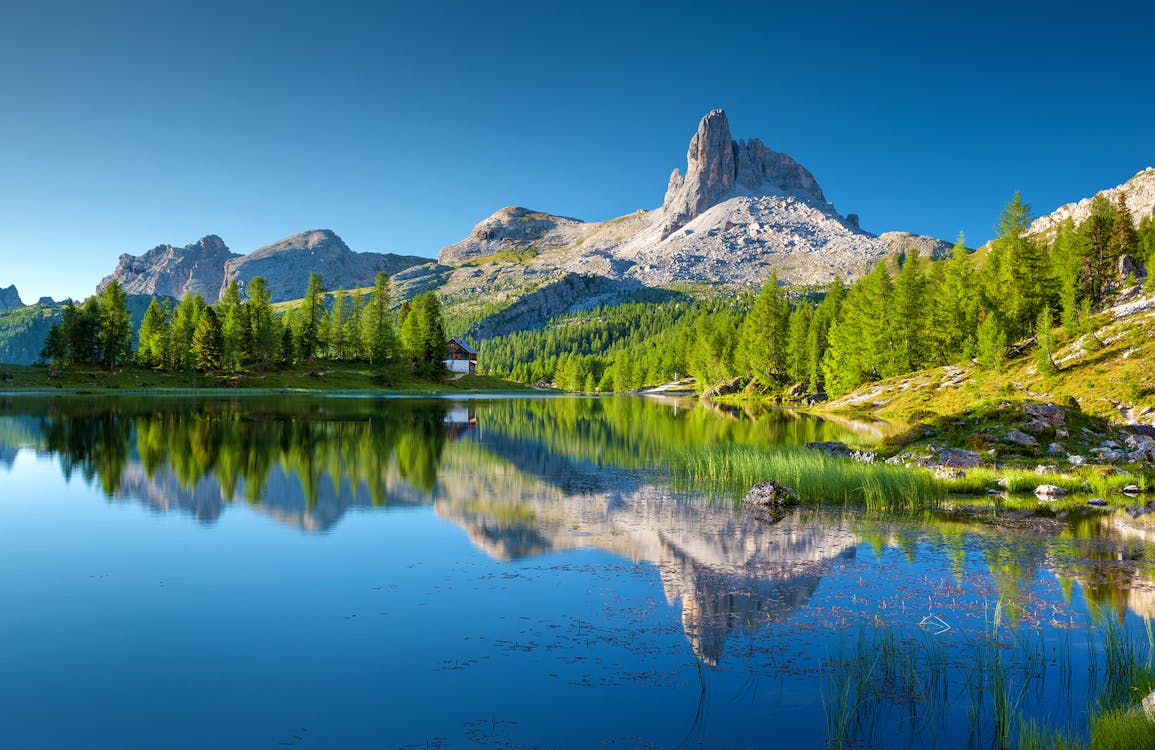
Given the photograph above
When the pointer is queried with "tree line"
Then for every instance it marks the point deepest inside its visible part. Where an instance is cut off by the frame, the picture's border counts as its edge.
(907, 313)
(242, 332)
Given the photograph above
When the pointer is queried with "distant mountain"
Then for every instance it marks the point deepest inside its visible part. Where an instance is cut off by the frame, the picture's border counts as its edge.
(741, 211)
(286, 264)
(10, 298)
(208, 265)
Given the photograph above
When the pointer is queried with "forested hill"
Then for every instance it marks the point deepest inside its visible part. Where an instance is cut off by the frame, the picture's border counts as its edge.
(1025, 293)
(23, 330)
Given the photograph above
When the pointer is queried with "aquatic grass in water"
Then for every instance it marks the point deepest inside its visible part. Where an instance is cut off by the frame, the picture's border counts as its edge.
(886, 671)
(813, 475)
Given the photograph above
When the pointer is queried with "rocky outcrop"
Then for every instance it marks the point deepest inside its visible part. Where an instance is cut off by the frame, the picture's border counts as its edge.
(174, 271)
(717, 166)
(10, 298)
(1138, 193)
(286, 265)
(208, 265)
(513, 229)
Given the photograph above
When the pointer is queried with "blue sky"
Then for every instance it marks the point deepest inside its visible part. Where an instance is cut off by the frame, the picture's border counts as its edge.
(124, 125)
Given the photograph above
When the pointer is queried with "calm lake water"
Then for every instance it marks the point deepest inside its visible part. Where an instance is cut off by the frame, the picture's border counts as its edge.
(335, 572)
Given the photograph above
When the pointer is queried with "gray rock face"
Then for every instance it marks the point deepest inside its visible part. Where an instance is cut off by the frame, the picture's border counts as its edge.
(1138, 193)
(208, 265)
(716, 165)
(513, 229)
(1021, 439)
(10, 298)
(174, 271)
(286, 265)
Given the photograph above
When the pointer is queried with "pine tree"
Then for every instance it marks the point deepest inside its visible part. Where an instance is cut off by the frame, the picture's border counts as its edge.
(1066, 262)
(991, 346)
(907, 315)
(231, 314)
(377, 337)
(953, 314)
(798, 351)
(1095, 237)
(206, 342)
(264, 339)
(1124, 239)
(817, 339)
(859, 347)
(153, 336)
(1045, 349)
(311, 314)
(1026, 285)
(764, 333)
(422, 335)
(185, 318)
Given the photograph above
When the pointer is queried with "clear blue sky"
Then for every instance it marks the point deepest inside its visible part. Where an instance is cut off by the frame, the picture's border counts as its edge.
(124, 125)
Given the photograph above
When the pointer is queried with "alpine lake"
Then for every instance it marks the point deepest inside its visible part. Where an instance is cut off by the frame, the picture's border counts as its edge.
(351, 571)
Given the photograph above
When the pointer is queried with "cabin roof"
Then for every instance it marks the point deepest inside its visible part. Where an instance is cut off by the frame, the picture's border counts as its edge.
(468, 349)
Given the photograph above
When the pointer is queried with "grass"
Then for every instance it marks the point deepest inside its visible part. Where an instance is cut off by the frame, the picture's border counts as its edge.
(885, 673)
(815, 476)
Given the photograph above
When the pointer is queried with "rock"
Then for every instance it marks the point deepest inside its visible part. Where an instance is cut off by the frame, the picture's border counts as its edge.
(1036, 427)
(1148, 706)
(716, 166)
(286, 265)
(1097, 502)
(1050, 491)
(1109, 445)
(958, 458)
(943, 472)
(10, 298)
(830, 447)
(796, 391)
(1132, 489)
(1051, 414)
(1131, 267)
(1138, 193)
(816, 398)
(1076, 460)
(1046, 469)
(1021, 439)
(1062, 434)
(770, 495)
(174, 271)
(1054, 449)
(1139, 442)
(725, 388)
(207, 266)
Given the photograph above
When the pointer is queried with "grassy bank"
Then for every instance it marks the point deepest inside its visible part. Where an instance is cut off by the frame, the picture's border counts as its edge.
(815, 476)
(327, 376)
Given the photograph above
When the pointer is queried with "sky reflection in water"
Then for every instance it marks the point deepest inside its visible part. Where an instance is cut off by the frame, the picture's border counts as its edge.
(500, 573)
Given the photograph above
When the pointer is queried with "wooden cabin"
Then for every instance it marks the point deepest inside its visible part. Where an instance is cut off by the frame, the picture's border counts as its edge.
(460, 357)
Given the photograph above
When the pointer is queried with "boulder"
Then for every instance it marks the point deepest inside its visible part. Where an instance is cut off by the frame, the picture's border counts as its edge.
(1148, 706)
(1021, 439)
(830, 448)
(958, 458)
(1046, 469)
(1037, 427)
(770, 495)
(1077, 460)
(1132, 489)
(943, 472)
(1050, 491)
(1051, 414)
(1055, 449)
(1133, 268)
(724, 388)
(1097, 502)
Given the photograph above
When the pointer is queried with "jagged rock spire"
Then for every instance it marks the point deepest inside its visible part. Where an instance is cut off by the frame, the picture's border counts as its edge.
(716, 166)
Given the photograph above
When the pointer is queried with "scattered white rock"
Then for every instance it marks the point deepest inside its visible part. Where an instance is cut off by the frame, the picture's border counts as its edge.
(1050, 491)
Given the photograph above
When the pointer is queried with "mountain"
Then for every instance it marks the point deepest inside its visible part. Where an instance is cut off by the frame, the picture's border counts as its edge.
(1138, 193)
(286, 264)
(10, 298)
(174, 271)
(208, 265)
(741, 211)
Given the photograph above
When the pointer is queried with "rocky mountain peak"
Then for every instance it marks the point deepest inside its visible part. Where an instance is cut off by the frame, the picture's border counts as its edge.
(174, 271)
(717, 167)
(1138, 193)
(511, 228)
(10, 298)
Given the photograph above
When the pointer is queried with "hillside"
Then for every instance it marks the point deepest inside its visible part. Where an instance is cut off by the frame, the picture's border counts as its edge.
(1107, 372)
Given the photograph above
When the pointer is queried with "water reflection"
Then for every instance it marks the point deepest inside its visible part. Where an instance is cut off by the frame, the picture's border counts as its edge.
(527, 477)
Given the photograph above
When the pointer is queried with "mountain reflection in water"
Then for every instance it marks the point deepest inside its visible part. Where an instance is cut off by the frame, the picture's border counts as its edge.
(523, 478)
